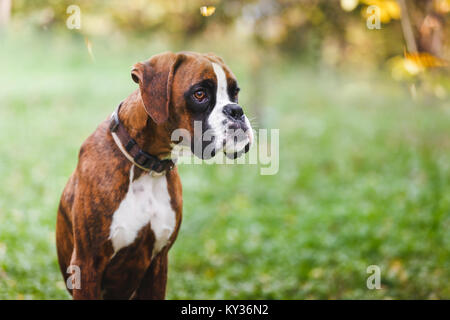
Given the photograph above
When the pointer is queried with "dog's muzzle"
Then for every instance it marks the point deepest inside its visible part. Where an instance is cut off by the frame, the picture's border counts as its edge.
(238, 133)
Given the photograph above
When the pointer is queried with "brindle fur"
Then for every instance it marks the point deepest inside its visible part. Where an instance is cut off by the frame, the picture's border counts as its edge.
(101, 179)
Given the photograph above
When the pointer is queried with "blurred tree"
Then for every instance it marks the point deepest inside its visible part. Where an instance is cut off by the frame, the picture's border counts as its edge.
(312, 31)
(430, 18)
(292, 27)
(407, 27)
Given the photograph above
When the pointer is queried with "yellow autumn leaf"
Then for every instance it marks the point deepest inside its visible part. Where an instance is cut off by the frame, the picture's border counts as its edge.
(207, 11)
(403, 69)
(412, 67)
(388, 9)
(442, 6)
(349, 5)
(393, 9)
(425, 60)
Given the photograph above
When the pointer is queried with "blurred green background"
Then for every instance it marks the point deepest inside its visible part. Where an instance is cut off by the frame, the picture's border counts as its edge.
(364, 119)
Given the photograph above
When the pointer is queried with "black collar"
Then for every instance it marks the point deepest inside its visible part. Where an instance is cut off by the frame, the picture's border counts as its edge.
(131, 149)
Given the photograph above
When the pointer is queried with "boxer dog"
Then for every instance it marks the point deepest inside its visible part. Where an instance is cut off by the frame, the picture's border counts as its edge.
(121, 209)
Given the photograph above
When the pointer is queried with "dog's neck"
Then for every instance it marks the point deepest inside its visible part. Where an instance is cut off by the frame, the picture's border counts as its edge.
(152, 138)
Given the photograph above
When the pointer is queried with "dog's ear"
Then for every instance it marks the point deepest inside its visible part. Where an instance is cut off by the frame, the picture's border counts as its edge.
(155, 78)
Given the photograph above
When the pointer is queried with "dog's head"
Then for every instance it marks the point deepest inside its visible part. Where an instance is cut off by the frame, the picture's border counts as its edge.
(196, 93)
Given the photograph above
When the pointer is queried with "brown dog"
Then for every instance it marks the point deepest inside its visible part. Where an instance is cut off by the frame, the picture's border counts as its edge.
(121, 209)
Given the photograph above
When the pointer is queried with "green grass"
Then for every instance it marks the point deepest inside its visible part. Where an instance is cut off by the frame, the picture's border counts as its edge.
(364, 179)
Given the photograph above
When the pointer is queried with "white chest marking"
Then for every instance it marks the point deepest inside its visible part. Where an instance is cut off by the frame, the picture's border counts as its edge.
(147, 201)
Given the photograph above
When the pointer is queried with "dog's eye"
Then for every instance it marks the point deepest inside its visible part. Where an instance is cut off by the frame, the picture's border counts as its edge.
(200, 95)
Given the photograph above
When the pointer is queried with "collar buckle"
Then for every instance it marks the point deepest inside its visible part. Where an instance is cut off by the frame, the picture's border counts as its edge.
(144, 159)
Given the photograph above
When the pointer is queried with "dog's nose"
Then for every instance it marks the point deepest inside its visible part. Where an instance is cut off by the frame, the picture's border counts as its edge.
(233, 111)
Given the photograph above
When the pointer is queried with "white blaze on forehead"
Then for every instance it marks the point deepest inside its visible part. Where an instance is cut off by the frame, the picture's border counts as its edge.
(216, 118)
(222, 92)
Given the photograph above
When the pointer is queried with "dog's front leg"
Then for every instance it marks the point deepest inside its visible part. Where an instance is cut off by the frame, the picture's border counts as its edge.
(90, 268)
(153, 285)
(89, 258)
